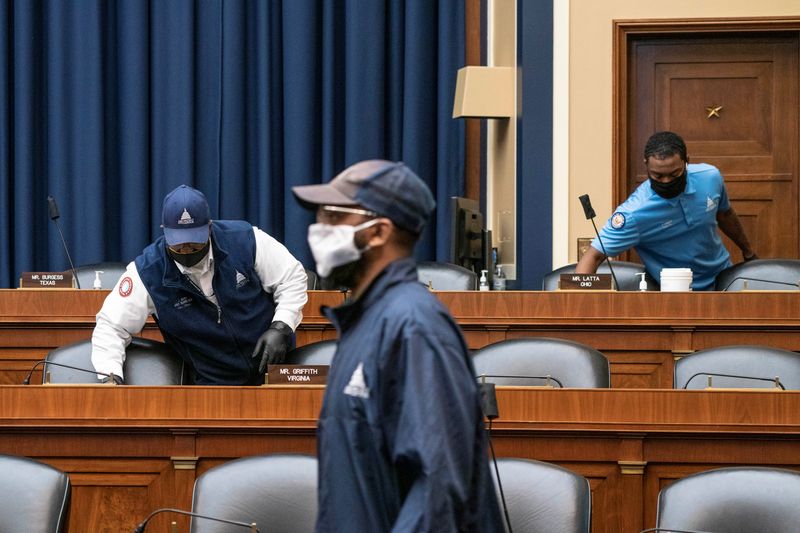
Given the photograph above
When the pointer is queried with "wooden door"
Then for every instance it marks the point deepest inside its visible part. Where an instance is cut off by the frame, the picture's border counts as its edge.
(734, 100)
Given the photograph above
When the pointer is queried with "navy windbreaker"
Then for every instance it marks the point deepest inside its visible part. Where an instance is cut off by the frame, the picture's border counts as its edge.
(401, 440)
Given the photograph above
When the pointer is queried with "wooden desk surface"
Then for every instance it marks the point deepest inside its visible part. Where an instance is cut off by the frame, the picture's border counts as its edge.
(129, 450)
(641, 333)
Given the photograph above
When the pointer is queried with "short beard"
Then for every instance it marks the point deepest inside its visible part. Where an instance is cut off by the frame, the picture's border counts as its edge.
(344, 276)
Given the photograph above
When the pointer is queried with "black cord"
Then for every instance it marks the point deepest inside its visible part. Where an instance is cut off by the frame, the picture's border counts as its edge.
(497, 473)
(745, 278)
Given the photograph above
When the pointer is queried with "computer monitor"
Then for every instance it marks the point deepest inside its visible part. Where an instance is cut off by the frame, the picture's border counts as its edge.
(470, 243)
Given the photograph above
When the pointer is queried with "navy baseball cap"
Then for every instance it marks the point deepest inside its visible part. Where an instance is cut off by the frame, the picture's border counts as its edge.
(390, 189)
(185, 216)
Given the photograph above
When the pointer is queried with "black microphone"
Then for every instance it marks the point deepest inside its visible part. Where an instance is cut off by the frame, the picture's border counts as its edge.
(776, 380)
(141, 527)
(742, 278)
(27, 380)
(547, 378)
(588, 211)
(52, 209)
(671, 530)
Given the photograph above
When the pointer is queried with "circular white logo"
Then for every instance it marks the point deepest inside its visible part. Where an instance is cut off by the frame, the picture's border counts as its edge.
(617, 220)
(125, 286)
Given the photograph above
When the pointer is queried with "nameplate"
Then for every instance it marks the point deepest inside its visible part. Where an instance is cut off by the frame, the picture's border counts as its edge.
(585, 282)
(297, 374)
(46, 280)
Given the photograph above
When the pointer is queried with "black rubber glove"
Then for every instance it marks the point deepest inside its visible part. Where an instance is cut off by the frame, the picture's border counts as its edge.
(272, 346)
(115, 378)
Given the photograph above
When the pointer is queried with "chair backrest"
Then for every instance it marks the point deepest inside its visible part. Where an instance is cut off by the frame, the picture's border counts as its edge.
(623, 270)
(446, 276)
(111, 272)
(777, 275)
(312, 280)
(277, 492)
(147, 362)
(572, 363)
(765, 362)
(544, 498)
(315, 353)
(33, 496)
(733, 500)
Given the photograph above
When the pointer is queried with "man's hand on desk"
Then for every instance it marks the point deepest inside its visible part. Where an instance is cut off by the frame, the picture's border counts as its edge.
(117, 380)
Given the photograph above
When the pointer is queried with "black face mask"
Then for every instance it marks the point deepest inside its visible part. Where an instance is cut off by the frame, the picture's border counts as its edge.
(192, 258)
(671, 189)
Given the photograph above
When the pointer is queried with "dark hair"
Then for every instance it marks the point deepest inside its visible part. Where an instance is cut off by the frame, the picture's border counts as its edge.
(664, 144)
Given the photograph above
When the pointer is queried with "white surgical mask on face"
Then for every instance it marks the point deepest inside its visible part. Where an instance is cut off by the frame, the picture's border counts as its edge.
(334, 246)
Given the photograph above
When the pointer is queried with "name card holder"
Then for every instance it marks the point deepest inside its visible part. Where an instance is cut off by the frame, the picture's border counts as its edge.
(46, 280)
(296, 375)
(585, 282)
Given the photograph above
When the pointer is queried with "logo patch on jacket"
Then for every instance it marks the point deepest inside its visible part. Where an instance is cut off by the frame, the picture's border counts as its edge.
(710, 204)
(617, 220)
(241, 279)
(182, 303)
(357, 386)
(125, 286)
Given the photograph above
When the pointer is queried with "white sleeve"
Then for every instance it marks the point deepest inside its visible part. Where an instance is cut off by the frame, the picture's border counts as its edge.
(123, 314)
(283, 277)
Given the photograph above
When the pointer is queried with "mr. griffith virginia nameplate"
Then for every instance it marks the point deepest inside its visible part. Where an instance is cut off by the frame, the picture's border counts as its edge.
(297, 374)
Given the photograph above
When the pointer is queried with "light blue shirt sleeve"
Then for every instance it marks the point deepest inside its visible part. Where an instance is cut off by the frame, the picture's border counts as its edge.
(618, 234)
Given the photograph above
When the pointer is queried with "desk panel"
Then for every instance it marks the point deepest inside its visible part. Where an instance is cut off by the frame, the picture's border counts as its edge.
(129, 450)
(642, 334)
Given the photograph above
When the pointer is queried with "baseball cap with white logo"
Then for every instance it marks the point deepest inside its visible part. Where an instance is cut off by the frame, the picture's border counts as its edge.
(185, 216)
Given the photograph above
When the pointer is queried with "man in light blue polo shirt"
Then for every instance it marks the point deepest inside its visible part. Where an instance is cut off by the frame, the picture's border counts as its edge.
(672, 218)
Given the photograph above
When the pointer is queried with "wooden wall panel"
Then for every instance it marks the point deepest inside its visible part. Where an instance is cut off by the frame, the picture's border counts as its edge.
(641, 333)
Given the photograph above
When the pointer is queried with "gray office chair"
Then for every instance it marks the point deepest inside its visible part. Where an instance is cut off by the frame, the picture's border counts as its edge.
(147, 362)
(111, 272)
(748, 362)
(624, 270)
(446, 276)
(544, 498)
(761, 274)
(312, 280)
(572, 363)
(732, 500)
(277, 492)
(34, 497)
(315, 353)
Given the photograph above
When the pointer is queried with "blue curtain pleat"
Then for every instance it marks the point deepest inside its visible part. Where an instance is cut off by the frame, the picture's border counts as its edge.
(108, 105)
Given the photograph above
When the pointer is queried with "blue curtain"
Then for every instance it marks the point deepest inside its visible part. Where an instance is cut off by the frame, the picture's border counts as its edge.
(108, 105)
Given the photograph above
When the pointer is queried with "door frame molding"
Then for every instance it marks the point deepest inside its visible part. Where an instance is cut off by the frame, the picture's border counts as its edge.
(625, 31)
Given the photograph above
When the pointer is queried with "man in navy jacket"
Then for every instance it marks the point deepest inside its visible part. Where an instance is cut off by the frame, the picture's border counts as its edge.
(401, 440)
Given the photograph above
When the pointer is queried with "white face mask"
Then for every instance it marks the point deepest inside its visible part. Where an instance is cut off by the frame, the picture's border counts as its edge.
(334, 246)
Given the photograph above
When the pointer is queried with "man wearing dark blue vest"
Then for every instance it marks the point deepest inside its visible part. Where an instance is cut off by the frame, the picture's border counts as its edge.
(226, 296)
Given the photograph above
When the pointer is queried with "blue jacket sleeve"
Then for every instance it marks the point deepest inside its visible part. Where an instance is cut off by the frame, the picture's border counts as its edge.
(619, 234)
(430, 423)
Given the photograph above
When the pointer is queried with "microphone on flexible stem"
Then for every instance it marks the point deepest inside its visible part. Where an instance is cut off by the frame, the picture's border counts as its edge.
(52, 209)
(27, 380)
(745, 279)
(141, 527)
(776, 380)
(588, 211)
(670, 530)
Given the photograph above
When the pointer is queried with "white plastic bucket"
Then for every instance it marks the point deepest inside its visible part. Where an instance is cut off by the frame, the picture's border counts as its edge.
(676, 279)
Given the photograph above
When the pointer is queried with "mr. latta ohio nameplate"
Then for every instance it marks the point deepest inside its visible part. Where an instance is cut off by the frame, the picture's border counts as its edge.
(297, 374)
(585, 282)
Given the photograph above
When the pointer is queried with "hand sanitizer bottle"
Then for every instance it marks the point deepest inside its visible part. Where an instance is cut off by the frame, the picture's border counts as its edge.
(97, 284)
(642, 282)
(483, 284)
(499, 281)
